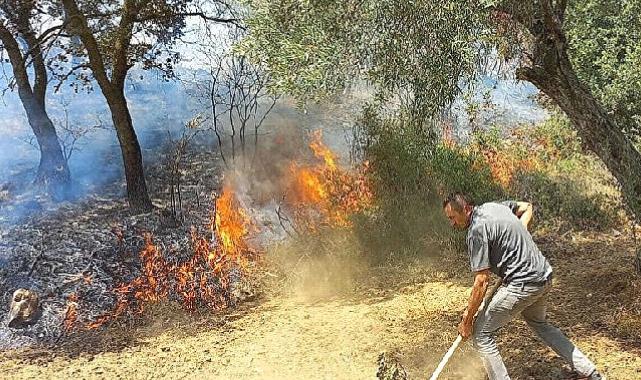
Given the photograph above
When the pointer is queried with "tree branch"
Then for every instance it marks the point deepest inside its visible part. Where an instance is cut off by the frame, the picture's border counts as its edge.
(78, 26)
(222, 20)
(15, 57)
(552, 23)
(123, 41)
(561, 6)
(23, 25)
(64, 77)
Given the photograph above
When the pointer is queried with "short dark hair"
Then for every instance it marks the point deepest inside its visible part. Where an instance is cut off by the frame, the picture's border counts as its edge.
(458, 201)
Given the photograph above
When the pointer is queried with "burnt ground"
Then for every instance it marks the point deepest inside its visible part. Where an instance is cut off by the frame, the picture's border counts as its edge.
(85, 247)
(88, 247)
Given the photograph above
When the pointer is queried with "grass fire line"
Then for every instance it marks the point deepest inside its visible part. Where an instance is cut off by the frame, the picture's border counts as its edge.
(202, 280)
(318, 194)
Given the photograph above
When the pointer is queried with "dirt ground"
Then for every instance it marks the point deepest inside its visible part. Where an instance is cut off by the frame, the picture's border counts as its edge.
(407, 308)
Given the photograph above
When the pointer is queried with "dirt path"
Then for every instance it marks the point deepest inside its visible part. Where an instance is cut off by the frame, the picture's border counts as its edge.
(280, 338)
(341, 336)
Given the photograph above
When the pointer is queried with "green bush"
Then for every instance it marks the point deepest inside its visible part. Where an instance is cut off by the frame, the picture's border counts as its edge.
(571, 188)
(455, 170)
(561, 202)
(411, 172)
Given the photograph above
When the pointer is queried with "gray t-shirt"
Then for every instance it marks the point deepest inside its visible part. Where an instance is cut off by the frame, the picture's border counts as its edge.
(497, 240)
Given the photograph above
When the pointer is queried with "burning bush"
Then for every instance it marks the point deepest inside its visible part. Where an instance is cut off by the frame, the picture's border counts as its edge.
(325, 194)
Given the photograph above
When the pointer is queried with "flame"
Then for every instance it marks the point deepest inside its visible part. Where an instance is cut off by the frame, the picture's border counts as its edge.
(231, 222)
(71, 314)
(201, 280)
(321, 151)
(325, 191)
(320, 193)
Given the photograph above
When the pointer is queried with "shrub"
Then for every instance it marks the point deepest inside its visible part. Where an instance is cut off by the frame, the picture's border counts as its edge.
(411, 171)
(546, 165)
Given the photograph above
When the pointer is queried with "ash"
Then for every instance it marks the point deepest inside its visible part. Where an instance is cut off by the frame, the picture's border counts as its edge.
(87, 248)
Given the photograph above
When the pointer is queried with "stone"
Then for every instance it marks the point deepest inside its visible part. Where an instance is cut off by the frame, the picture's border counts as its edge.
(24, 309)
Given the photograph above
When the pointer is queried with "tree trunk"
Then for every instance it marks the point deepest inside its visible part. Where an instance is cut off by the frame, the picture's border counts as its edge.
(131, 154)
(53, 171)
(551, 72)
(113, 91)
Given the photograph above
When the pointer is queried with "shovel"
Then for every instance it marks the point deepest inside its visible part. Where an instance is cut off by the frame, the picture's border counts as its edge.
(459, 338)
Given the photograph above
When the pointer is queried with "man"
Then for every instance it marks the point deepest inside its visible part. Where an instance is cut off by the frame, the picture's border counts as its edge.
(499, 242)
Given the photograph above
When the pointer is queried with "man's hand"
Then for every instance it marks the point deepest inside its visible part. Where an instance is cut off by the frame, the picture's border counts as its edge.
(465, 328)
(524, 211)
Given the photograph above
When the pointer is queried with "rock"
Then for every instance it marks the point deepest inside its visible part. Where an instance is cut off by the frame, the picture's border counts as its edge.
(24, 309)
(389, 368)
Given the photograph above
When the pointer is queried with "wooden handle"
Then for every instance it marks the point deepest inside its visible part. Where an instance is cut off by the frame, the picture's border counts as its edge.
(446, 358)
(450, 352)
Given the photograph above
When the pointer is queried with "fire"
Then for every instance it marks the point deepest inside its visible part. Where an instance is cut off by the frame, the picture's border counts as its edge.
(321, 151)
(324, 190)
(231, 223)
(71, 314)
(318, 193)
(202, 280)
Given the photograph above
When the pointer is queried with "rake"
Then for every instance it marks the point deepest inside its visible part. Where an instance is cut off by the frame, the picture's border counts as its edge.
(459, 338)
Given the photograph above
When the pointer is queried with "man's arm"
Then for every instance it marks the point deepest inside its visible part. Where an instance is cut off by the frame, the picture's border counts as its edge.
(524, 211)
(481, 281)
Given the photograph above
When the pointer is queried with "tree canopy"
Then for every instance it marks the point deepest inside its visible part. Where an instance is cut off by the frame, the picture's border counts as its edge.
(580, 55)
(605, 49)
(423, 48)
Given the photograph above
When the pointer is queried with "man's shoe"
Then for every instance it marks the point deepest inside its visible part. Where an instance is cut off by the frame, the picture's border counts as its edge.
(595, 375)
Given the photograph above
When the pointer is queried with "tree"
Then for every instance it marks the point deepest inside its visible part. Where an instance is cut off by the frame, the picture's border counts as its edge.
(604, 42)
(119, 34)
(234, 90)
(430, 49)
(24, 44)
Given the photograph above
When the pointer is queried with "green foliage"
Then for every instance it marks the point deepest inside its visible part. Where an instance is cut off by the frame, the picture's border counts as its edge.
(557, 140)
(407, 158)
(420, 54)
(561, 201)
(397, 150)
(605, 48)
(300, 45)
(568, 187)
(456, 170)
(421, 49)
(411, 171)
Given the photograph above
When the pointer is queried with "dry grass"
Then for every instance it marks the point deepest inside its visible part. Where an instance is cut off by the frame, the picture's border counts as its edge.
(411, 309)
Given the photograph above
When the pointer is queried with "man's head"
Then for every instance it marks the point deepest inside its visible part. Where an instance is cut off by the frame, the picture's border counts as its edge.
(458, 208)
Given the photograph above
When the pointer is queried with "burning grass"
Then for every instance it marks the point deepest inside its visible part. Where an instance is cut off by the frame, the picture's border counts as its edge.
(207, 267)
(206, 279)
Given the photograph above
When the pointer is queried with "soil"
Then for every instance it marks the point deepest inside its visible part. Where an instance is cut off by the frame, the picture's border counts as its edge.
(335, 328)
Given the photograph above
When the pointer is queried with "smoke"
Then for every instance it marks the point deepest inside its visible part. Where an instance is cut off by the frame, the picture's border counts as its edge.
(159, 110)
(320, 266)
(316, 264)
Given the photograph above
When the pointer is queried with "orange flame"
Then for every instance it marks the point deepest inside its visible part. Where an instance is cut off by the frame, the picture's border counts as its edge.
(321, 151)
(231, 223)
(71, 314)
(320, 193)
(203, 279)
(326, 190)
